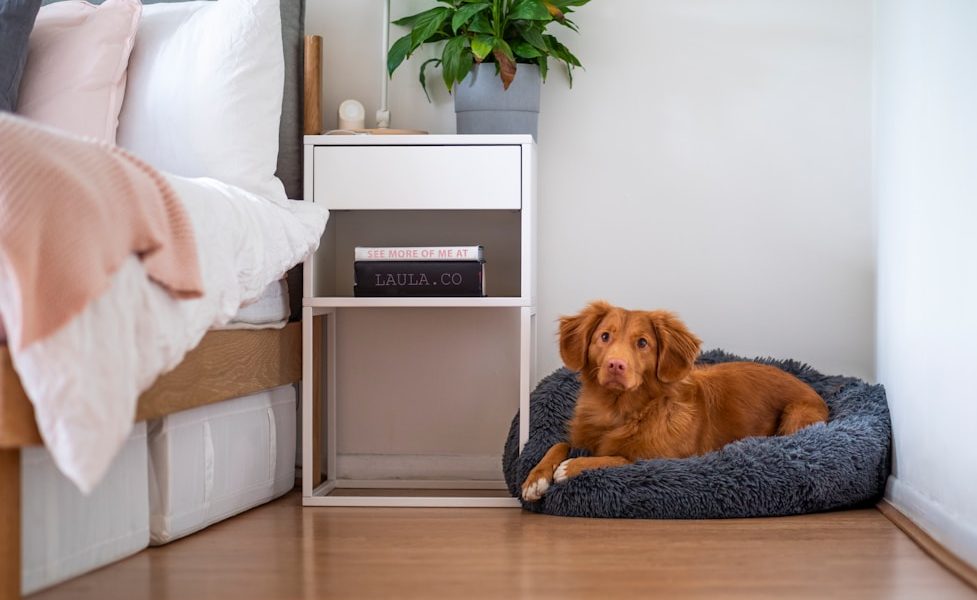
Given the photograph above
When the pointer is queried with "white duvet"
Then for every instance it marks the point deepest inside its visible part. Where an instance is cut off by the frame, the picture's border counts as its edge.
(84, 379)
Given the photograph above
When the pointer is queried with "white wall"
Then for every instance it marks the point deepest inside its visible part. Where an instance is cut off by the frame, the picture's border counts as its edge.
(714, 158)
(926, 186)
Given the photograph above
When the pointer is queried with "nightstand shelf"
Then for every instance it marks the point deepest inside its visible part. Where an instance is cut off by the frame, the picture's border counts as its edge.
(413, 493)
(351, 302)
(413, 191)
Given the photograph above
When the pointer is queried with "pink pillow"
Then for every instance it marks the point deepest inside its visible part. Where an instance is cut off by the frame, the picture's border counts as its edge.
(75, 76)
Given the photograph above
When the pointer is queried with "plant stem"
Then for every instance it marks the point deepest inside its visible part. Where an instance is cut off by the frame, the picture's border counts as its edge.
(496, 9)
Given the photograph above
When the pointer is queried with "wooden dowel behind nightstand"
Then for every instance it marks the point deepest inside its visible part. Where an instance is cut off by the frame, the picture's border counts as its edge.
(312, 123)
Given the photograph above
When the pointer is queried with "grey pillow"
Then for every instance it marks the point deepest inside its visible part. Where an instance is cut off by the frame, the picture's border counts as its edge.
(16, 22)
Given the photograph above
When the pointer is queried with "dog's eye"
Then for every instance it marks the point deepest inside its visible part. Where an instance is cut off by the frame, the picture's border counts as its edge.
(605, 336)
(642, 343)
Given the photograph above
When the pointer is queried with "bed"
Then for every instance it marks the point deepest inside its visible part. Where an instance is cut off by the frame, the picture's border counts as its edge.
(225, 364)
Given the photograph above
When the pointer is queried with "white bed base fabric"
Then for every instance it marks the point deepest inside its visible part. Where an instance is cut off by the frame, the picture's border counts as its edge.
(270, 311)
(215, 461)
(65, 533)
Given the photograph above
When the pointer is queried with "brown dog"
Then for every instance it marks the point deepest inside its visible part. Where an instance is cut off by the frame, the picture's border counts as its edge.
(643, 397)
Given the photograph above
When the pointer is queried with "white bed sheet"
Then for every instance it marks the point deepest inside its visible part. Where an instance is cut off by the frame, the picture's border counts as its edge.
(271, 310)
(84, 379)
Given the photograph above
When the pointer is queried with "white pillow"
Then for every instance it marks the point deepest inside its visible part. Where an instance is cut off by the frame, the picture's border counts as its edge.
(204, 92)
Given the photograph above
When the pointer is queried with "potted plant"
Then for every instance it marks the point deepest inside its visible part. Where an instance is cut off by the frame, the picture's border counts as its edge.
(496, 54)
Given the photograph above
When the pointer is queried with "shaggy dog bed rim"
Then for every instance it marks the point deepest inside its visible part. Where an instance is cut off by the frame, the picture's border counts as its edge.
(838, 464)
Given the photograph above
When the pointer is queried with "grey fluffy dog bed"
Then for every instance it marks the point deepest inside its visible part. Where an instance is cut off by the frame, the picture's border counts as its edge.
(842, 463)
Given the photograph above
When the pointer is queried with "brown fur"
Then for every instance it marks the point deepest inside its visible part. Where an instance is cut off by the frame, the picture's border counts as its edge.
(641, 400)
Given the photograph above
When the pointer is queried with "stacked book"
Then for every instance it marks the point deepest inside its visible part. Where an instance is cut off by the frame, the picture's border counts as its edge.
(419, 271)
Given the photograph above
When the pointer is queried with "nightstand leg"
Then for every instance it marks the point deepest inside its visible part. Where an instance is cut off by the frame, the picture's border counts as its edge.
(331, 472)
(9, 523)
(526, 352)
(316, 401)
(313, 386)
(307, 402)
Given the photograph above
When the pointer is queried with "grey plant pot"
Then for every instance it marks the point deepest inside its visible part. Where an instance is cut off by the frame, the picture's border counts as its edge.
(482, 105)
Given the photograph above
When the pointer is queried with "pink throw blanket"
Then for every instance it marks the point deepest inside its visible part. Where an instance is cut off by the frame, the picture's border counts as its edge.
(71, 210)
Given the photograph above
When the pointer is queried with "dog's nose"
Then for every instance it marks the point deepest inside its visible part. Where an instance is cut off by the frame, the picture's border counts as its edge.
(616, 365)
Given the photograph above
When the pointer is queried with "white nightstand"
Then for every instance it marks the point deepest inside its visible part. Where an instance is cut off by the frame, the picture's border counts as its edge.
(423, 191)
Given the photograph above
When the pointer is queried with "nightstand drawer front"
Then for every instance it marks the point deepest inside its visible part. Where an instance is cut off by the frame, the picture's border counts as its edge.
(418, 177)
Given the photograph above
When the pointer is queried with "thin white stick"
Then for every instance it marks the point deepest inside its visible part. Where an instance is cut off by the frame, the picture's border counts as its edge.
(383, 114)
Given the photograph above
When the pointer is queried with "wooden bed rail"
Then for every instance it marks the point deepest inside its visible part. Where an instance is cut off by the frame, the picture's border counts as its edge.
(226, 364)
(17, 426)
(9, 523)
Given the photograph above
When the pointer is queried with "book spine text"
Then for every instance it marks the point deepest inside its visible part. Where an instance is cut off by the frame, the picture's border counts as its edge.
(418, 278)
(419, 253)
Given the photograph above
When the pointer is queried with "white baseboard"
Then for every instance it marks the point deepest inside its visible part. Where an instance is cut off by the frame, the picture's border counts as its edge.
(949, 530)
(414, 466)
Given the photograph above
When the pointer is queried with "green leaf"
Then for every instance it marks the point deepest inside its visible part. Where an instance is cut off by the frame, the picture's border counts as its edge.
(532, 32)
(427, 24)
(397, 53)
(465, 14)
(464, 65)
(422, 77)
(563, 4)
(529, 10)
(452, 59)
(543, 62)
(439, 36)
(525, 50)
(568, 56)
(481, 24)
(410, 20)
(405, 21)
(482, 46)
(569, 25)
(561, 52)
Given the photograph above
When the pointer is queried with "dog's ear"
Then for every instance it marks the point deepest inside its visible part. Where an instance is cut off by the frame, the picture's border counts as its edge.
(677, 346)
(575, 334)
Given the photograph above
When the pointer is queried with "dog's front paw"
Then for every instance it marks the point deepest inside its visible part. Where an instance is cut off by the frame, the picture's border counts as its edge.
(564, 471)
(534, 488)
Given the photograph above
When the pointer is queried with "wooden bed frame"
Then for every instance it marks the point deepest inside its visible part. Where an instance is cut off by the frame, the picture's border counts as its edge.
(225, 365)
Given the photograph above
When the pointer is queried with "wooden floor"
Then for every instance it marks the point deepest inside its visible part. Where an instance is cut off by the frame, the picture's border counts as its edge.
(284, 551)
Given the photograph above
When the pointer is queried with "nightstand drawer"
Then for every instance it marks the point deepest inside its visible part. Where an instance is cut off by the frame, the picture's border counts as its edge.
(417, 177)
